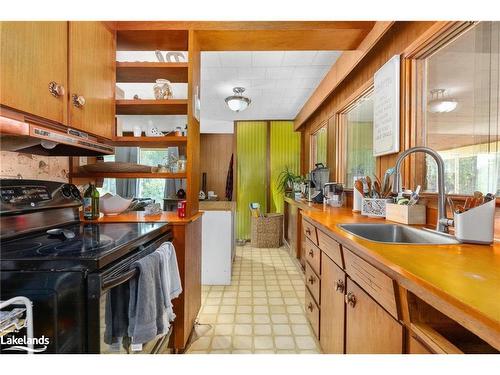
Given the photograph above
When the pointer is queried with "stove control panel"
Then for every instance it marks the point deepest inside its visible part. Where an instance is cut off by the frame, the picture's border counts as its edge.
(25, 194)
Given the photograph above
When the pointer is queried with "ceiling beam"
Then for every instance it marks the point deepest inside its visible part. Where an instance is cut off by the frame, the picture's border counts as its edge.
(262, 36)
(342, 67)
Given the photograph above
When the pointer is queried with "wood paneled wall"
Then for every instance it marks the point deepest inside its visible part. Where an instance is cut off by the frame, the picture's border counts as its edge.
(395, 41)
(399, 38)
(215, 154)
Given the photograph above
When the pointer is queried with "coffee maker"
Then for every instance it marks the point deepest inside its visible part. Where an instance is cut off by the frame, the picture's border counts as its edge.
(319, 176)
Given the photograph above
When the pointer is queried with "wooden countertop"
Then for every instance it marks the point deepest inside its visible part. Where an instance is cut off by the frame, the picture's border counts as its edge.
(140, 217)
(303, 204)
(462, 281)
(207, 205)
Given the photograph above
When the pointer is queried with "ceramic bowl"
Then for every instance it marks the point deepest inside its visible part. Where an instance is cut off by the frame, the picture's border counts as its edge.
(113, 204)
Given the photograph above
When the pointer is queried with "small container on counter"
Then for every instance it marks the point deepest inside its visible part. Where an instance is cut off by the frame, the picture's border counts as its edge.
(406, 214)
(477, 224)
(374, 207)
(181, 209)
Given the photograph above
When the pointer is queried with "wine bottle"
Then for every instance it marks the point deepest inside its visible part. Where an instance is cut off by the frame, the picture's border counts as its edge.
(91, 203)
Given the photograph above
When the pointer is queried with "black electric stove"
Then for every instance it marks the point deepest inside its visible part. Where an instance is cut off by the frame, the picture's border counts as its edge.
(69, 277)
(94, 246)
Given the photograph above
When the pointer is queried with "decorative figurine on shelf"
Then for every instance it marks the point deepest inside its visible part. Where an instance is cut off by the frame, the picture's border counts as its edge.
(181, 194)
(163, 89)
(136, 97)
(175, 56)
(152, 130)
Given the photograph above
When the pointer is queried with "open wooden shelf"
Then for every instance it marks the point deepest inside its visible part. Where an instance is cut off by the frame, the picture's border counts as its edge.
(151, 40)
(128, 175)
(151, 107)
(149, 72)
(166, 141)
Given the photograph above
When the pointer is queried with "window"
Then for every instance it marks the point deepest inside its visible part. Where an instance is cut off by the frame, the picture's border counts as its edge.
(460, 92)
(152, 187)
(318, 147)
(357, 130)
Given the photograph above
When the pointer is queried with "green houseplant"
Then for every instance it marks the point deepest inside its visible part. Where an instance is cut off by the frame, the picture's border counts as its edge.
(287, 179)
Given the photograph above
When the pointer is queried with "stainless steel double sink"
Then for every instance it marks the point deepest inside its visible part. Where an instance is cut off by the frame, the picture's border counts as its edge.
(397, 234)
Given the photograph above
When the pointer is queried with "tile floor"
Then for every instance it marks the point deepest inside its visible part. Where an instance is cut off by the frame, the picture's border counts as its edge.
(262, 311)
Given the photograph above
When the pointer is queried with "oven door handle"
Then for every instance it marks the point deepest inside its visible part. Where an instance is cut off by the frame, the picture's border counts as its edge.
(115, 281)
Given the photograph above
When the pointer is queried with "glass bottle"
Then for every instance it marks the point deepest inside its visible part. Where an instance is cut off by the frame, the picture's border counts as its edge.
(91, 203)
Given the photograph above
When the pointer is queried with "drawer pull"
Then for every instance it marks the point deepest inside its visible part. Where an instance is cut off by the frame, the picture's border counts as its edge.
(56, 89)
(339, 286)
(311, 280)
(350, 299)
(310, 306)
(308, 231)
(311, 253)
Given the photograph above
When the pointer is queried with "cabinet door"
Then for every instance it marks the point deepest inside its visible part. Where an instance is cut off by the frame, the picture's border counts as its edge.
(32, 55)
(369, 328)
(92, 77)
(332, 307)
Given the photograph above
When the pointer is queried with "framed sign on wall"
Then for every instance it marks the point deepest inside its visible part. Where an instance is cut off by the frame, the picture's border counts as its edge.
(386, 108)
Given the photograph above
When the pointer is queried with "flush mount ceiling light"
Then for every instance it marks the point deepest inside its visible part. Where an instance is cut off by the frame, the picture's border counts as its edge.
(238, 102)
(440, 102)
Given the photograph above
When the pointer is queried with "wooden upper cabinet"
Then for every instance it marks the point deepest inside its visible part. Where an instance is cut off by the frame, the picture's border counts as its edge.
(32, 55)
(332, 307)
(369, 328)
(92, 78)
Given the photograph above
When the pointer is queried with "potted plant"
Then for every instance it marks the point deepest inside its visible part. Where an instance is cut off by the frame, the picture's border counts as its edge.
(288, 181)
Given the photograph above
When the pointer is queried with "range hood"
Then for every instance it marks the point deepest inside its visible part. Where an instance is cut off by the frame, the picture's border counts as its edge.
(37, 139)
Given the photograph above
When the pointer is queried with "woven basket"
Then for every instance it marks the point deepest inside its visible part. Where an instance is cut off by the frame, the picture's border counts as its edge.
(267, 231)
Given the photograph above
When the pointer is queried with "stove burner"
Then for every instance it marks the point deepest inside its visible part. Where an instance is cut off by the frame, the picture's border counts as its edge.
(77, 246)
(21, 245)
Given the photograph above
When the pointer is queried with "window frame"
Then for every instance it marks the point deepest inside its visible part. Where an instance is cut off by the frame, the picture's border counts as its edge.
(313, 144)
(341, 132)
(412, 79)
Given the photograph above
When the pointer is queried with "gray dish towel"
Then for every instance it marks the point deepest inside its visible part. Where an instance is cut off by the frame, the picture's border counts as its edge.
(147, 311)
(171, 280)
(116, 314)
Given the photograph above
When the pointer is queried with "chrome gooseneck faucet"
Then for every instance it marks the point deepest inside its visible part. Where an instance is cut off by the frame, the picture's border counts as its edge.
(442, 222)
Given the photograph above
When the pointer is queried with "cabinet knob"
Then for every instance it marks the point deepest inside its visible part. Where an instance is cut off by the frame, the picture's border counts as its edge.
(56, 89)
(311, 253)
(311, 280)
(350, 299)
(78, 100)
(339, 286)
(310, 306)
(308, 231)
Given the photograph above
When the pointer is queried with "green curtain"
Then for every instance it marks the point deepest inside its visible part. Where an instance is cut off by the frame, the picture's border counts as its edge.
(284, 152)
(251, 157)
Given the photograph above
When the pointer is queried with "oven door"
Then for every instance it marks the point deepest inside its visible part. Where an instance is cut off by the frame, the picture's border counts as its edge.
(108, 306)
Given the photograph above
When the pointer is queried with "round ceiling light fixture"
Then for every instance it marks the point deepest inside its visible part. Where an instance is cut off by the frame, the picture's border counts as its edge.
(440, 102)
(238, 102)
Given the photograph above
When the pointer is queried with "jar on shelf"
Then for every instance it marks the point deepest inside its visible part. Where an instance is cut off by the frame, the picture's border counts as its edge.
(163, 89)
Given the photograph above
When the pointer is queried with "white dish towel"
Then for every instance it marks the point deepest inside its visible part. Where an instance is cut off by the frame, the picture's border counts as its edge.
(170, 277)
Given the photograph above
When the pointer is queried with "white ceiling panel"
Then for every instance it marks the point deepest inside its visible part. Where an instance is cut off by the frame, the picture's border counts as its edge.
(277, 82)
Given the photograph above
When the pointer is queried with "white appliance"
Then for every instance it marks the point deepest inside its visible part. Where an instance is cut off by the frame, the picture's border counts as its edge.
(217, 247)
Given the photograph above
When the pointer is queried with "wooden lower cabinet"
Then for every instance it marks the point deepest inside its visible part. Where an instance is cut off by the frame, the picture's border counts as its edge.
(332, 307)
(415, 347)
(369, 328)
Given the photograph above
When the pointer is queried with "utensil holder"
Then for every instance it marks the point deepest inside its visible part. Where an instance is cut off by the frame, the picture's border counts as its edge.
(404, 214)
(374, 207)
(477, 224)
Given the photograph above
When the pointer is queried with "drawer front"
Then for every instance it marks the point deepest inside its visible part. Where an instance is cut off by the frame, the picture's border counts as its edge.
(374, 282)
(310, 231)
(312, 313)
(313, 256)
(330, 247)
(313, 283)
